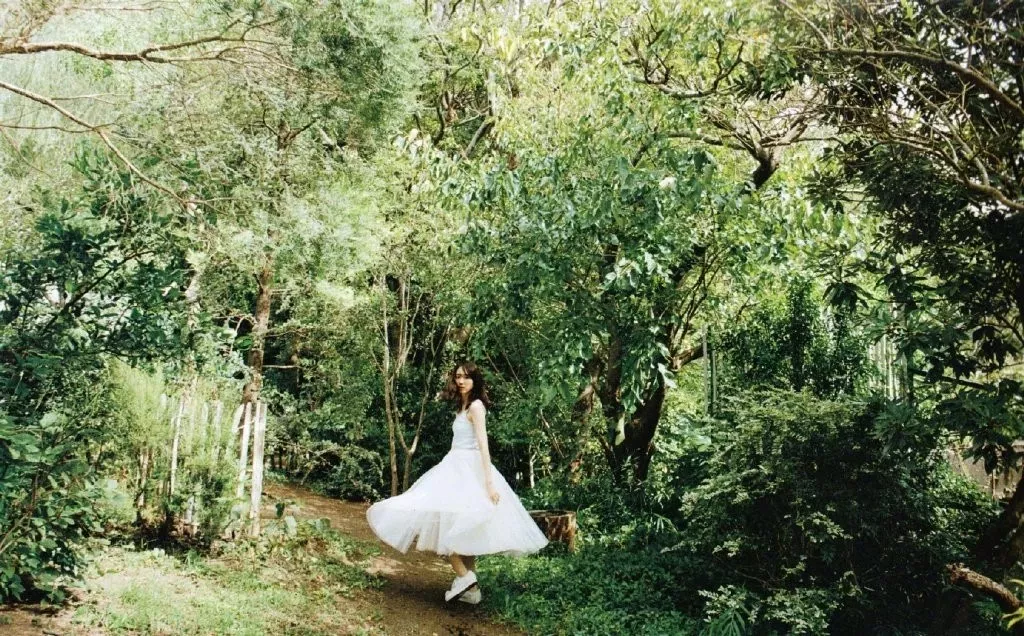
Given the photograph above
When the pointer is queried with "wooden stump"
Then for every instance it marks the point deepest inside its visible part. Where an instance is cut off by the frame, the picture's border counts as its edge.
(557, 525)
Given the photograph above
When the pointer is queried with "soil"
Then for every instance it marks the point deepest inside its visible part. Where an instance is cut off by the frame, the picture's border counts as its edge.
(411, 602)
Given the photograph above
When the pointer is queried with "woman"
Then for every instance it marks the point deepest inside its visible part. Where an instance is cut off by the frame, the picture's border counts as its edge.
(462, 507)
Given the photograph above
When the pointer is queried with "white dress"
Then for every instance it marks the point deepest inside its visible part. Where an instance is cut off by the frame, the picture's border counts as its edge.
(448, 511)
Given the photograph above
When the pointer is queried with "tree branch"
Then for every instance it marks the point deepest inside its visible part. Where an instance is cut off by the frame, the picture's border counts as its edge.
(102, 134)
(1006, 599)
(964, 72)
(148, 54)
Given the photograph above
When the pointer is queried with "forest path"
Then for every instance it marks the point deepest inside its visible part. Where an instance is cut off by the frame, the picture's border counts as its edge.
(412, 600)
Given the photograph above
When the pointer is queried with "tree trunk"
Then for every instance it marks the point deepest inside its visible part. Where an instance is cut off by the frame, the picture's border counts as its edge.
(637, 446)
(632, 445)
(394, 356)
(389, 415)
(1007, 600)
(388, 373)
(609, 390)
(557, 525)
(767, 165)
(407, 468)
(582, 409)
(1007, 522)
(251, 392)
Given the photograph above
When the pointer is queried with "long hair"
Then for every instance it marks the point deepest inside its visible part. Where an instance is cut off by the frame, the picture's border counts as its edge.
(478, 392)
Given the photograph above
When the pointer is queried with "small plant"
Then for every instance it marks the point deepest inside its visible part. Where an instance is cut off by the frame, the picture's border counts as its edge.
(1016, 616)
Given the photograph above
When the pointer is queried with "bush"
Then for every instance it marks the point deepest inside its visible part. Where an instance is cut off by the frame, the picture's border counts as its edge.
(784, 514)
(358, 475)
(45, 509)
(812, 524)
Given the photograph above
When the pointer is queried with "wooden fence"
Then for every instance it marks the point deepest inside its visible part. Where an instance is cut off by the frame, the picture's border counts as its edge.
(198, 431)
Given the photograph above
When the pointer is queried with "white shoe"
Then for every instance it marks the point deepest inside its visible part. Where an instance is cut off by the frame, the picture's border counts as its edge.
(473, 596)
(460, 585)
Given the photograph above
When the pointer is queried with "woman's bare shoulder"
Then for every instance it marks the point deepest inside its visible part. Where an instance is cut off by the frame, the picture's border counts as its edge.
(477, 408)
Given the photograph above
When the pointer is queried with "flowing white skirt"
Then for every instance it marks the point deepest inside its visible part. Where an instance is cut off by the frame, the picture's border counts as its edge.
(447, 511)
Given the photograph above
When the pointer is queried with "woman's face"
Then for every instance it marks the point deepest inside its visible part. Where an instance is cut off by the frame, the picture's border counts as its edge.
(463, 382)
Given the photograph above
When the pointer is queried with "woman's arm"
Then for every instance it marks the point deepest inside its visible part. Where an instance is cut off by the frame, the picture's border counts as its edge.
(477, 417)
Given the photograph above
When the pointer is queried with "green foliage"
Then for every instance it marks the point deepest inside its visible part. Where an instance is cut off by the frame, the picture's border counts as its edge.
(357, 474)
(362, 57)
(300, 582)
(47, 505)
(947, 256)
(611, 592)
(785, 514)
(569, 199)
(102, 274)
(795, 343)
(636, 246)
(100, 277)
(856, 531)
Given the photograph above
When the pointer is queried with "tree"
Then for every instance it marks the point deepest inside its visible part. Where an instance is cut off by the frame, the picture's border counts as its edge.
(268, 150)
(227, 37)
(927, 100)
(929, 103)
(102, 277)
(607, 212)
(117, 269)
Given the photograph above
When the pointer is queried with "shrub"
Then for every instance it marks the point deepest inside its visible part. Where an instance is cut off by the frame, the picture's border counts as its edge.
(809, 519)
(783, 514)
(358, 475)
(45, 508)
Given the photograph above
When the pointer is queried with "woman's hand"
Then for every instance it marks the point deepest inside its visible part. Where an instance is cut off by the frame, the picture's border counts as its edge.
(492, 494)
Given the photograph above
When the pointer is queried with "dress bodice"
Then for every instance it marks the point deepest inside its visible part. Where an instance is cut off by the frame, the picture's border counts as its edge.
(463, 436)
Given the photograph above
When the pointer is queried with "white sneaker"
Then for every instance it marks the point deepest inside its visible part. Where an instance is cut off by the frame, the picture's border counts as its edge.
(460, 585)
(472, 597)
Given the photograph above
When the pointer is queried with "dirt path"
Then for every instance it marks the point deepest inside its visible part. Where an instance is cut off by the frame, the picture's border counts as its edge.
(412, 600)
(411, 603)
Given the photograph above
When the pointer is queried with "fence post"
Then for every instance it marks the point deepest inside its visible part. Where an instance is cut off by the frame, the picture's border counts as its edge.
(256, 500)
(243, 457)
(176, 424)
(218, 412)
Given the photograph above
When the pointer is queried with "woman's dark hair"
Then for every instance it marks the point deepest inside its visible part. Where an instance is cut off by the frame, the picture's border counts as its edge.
(478, 392)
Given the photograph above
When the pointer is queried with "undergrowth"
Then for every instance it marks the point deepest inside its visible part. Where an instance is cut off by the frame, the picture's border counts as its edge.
(298, 578)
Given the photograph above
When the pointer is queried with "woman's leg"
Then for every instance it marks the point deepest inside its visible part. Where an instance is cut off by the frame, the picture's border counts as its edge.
(457, 564)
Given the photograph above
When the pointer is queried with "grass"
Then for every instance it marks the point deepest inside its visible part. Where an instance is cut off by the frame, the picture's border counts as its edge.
(611, 592)
(301, 584)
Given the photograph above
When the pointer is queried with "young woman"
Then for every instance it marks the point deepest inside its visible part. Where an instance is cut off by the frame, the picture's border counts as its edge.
(462, 507)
